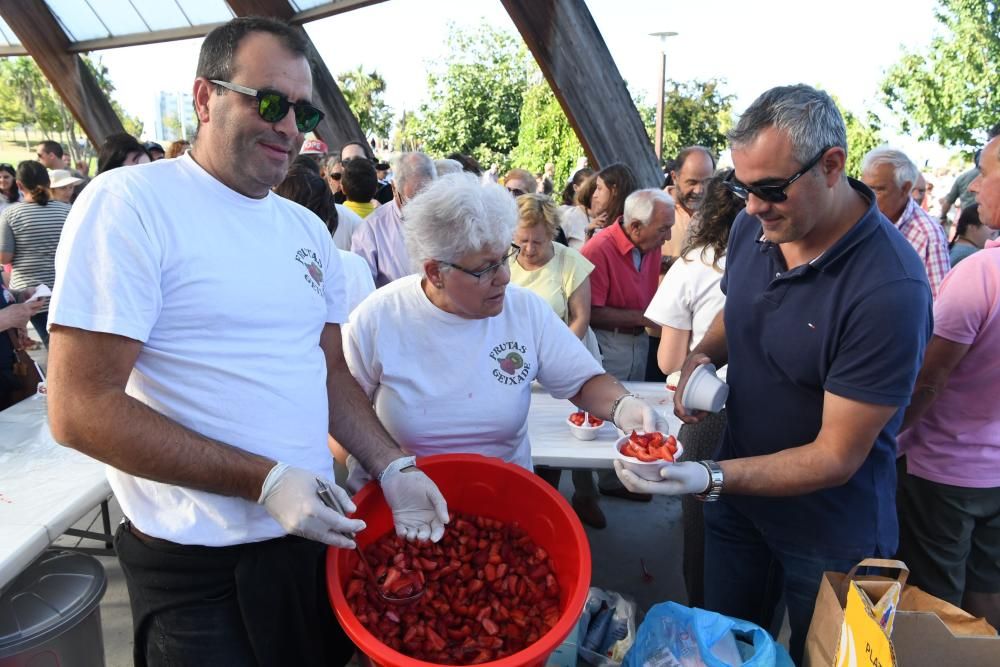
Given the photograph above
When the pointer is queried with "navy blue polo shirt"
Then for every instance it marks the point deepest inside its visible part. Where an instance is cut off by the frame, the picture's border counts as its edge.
(853, 322)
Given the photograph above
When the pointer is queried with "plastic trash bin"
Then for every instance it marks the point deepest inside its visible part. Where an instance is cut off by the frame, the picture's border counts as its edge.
(51, 616)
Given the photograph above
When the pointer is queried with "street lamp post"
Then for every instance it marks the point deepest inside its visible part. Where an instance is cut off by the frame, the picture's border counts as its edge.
(662, 36)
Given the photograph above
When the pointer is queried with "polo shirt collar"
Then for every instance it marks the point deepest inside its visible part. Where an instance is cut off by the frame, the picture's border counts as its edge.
(622, 242)
(861, 230)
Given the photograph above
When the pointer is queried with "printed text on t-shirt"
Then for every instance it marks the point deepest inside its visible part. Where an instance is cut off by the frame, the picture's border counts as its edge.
(512, 366)
(314, 268)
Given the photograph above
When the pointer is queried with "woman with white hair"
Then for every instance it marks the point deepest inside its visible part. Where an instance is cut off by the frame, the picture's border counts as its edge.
(448, 355)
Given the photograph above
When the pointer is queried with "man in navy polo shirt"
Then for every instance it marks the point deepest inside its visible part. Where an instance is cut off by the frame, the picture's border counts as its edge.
(828, 312)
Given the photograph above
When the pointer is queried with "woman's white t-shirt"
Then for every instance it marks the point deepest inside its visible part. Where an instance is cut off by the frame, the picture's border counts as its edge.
(442, 383)
(689, 296)
(167, 255)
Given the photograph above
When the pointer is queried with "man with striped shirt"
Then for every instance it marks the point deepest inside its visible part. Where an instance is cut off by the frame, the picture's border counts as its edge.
(29, 234)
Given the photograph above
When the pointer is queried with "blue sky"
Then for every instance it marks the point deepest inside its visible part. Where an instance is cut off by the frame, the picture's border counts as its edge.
(844, 47)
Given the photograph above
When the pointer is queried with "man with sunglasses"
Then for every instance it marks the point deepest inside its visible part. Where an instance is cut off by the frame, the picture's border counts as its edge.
(209, 386)
(828, 312)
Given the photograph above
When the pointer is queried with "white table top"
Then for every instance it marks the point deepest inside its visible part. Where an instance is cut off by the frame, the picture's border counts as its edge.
(44, 487)
(552, 443)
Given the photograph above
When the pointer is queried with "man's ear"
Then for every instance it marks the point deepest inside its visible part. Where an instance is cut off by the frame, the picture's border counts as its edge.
(203, 90)
(832, 164)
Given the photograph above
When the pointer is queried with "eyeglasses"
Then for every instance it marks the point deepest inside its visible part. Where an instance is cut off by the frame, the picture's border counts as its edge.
(517, 192)
(774, 193)
(490, 271)
(272, 106)
(336, 175)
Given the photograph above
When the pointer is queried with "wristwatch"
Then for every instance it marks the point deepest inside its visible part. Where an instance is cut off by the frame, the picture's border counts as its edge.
(714, 490)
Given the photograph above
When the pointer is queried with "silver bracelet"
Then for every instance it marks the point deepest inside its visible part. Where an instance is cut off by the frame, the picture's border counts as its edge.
(615, 406)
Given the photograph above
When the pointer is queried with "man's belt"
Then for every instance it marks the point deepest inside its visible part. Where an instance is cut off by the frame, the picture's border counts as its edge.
(630, 331)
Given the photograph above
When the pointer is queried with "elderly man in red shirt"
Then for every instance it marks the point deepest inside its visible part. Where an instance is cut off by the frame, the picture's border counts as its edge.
(626, 259)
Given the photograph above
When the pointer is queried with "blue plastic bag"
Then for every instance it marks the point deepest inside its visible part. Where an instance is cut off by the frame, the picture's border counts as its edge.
(673, 635)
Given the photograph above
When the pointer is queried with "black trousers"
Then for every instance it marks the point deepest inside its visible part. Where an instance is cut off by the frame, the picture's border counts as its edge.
(262, 603)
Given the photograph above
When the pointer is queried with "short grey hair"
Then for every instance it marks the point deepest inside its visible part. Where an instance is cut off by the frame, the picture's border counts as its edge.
(903, 169)
(640, 204)
(446, 166)
(413, 167)
(809, 116)
(455, 216)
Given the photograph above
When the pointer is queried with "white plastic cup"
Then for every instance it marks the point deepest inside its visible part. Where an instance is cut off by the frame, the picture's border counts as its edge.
(704, 390)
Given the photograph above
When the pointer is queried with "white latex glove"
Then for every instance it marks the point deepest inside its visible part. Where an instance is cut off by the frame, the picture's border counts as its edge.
(289, 495)
(635, 414)
(357, 476)
(677, 479)
(418, 508)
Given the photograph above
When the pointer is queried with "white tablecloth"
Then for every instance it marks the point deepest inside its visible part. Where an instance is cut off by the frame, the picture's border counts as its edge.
(552, 443)
(44, 487)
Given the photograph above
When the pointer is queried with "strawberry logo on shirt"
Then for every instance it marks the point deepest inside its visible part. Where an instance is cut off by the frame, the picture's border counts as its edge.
(511, 368)
(314, 268)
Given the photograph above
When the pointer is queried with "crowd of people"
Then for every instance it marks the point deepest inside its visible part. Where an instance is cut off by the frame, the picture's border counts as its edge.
(855, 348)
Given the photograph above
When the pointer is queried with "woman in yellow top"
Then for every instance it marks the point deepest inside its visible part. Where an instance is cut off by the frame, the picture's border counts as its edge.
(359, 185)
(561, 276)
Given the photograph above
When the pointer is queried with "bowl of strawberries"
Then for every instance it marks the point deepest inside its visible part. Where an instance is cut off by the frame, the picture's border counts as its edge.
(646, 453)
(583, 425)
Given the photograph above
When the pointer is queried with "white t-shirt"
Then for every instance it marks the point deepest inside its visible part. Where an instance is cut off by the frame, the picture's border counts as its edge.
(574, 221)
(441, 383)
(347, 222)
(357, 278)
(167, 255)
(689, 296)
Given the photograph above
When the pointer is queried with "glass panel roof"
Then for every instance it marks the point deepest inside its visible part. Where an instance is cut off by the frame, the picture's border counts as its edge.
(7, 36)
(302, 5)
(100, 19)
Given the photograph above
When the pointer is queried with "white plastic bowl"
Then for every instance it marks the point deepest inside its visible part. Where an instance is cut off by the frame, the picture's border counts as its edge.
(585, 432)
(648, 470)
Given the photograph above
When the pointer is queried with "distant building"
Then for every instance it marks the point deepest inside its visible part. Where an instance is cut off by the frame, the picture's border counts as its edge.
(174, 116)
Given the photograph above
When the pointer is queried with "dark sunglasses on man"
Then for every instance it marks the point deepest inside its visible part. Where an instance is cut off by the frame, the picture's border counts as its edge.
(517, 192)
(272, 106)
(770, 192)
(336, 175)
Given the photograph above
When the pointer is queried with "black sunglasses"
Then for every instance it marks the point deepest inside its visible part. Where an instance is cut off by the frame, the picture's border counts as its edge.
(490, 271)
(770, 193)
(273, 106)
(336, 175)
(517, 192)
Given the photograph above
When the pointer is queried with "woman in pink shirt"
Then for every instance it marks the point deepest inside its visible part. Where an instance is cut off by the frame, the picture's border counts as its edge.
(949, 497)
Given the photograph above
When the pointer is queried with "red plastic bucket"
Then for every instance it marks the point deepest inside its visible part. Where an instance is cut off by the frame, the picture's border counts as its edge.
(492, 488)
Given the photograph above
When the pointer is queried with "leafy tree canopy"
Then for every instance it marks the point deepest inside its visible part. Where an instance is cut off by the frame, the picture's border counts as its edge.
(363, 92)
(545, 135)
(951, 90)
(476, 96)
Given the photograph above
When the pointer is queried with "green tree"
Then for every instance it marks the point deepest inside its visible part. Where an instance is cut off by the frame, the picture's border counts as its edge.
(862, 136)
(363, 92)
(696, 113)
(545, 134)
(22, 85)
(951, 90)
(476, 95)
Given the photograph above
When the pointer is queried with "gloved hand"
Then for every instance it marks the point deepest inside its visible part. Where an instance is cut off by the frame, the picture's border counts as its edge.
(418, 508)
(635, 414)
(290, 496)
(357, 476)
(677, 479)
